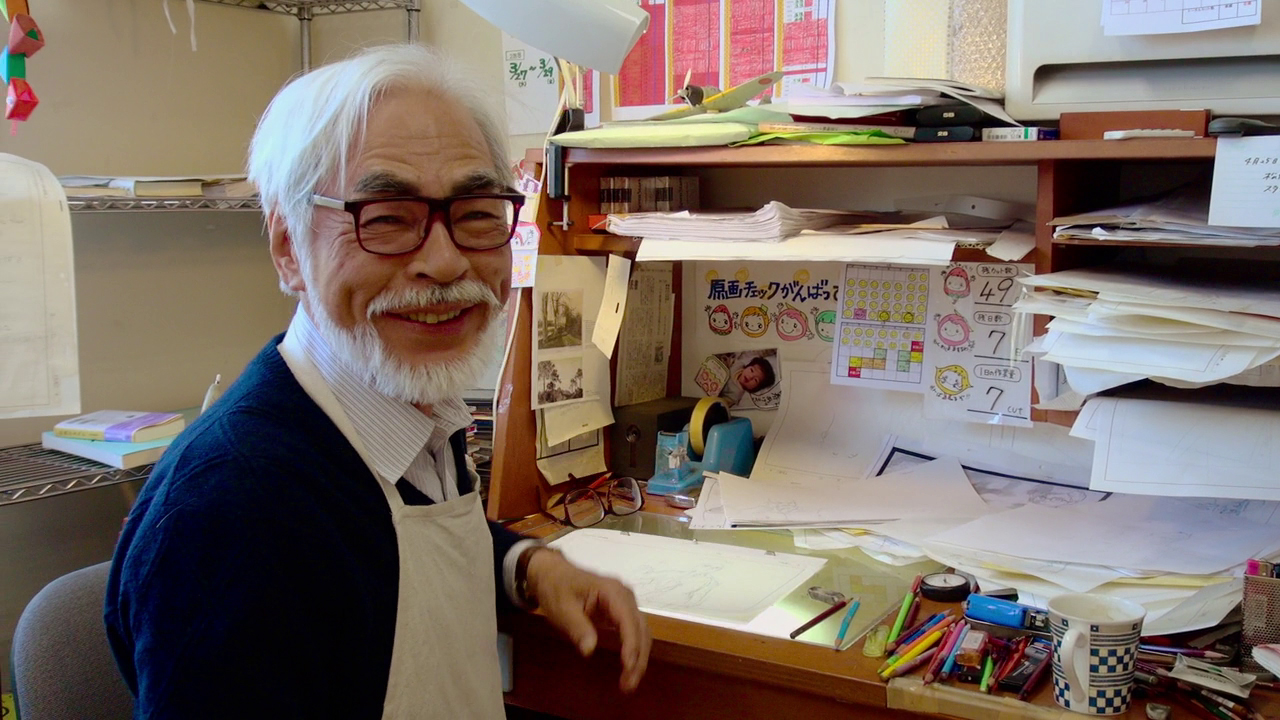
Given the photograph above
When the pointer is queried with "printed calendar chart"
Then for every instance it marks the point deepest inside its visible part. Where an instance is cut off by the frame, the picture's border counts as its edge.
(881, 327)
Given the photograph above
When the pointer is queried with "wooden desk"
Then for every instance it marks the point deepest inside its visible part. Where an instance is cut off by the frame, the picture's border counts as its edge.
(705, 672)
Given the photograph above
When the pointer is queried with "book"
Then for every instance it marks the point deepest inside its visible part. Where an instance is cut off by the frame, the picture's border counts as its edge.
(1019, 134)
(120, 455)
(121, 426)
(159, 188)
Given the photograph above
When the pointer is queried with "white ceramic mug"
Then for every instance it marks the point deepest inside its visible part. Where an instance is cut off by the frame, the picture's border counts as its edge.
(1095, 651)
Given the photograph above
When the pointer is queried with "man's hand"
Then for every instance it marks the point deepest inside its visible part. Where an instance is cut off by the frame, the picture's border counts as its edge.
(577, 601)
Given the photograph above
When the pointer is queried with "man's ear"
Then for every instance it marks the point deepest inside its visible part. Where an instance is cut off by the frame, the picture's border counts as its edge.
(284, 255)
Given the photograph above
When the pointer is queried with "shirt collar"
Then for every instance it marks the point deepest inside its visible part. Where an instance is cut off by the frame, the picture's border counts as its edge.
(393, 432)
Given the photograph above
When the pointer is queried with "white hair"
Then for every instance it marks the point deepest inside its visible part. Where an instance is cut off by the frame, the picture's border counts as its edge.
(362, 351)
(311, 127)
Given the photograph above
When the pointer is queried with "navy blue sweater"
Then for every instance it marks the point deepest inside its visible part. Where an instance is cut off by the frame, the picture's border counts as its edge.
(257, 575)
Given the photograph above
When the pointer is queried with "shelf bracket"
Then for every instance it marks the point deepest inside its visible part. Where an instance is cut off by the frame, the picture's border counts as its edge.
(414, 11)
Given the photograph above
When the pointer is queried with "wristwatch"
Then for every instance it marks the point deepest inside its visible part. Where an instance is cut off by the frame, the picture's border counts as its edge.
(522, 575)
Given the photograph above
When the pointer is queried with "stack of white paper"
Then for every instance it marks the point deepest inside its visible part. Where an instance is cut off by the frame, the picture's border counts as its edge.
(774, 222)
(1180, 218)
(1113, 327)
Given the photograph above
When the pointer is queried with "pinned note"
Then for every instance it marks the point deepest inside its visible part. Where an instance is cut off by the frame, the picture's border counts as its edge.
(1246, 182)
(614, 304)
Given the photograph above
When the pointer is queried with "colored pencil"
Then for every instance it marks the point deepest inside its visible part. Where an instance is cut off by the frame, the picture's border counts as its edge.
(1189, 652)
(915, 584)
(917, 649)
(909, 636)
(905, 646)
(912, 611)
(844, 624)
(819, 618)
(948, 642)
(912, 664)
(951, 656)
(902, 616)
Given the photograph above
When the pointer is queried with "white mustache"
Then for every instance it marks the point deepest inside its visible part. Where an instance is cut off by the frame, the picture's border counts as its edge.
(461, 292)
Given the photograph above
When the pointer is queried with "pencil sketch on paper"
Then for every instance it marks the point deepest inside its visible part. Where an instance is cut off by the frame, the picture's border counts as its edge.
(560, 319)
(691, 579)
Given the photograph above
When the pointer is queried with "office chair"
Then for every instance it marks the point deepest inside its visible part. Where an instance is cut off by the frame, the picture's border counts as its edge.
(62, 665)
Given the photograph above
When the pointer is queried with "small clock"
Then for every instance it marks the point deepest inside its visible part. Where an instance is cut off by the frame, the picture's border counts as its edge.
(945, 587)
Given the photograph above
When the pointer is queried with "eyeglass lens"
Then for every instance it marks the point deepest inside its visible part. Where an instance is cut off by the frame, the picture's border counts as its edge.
(399, 225)
(585, 507)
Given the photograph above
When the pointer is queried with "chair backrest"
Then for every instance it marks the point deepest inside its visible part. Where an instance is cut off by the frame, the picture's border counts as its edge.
(63, 668)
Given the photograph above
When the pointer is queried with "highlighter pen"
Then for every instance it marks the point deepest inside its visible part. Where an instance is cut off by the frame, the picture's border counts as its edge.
(951, 656)
(819, 618)
(844, 624)
(902, 616)
(987, 668)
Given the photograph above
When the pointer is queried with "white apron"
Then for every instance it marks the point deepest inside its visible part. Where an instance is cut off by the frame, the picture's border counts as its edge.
(444, 660)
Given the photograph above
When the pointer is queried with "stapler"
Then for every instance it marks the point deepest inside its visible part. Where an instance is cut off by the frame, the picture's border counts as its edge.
(711, 442)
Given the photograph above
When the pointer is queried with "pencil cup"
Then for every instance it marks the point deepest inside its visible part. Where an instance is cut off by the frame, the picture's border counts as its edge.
(1095, 652)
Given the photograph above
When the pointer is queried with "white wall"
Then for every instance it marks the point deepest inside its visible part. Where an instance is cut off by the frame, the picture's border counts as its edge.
(164, 301)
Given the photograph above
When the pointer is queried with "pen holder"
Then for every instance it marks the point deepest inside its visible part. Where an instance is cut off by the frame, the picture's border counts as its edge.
(1261, 625)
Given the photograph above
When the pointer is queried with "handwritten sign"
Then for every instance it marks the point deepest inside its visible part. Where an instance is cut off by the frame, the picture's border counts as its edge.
(531, 85)
(1246, 182)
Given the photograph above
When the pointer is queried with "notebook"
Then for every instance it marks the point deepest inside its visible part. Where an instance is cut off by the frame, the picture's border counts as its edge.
(116, 454)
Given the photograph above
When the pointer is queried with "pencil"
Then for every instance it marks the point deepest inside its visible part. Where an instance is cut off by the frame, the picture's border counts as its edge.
(1189, 652)
(844, 624)
(948, 642)
(909, 636)
(911, 612)
(902, 616)
(955, 648)
(939, 626)
(916, 649)
(912, 664)
(819, 618)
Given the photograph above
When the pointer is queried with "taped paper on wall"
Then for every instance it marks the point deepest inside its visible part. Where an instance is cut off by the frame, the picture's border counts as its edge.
(644, 345)
(567, 366)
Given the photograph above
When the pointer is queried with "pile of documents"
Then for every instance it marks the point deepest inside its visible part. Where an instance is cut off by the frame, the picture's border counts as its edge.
(1113, 326)
(1182, 217)
(215, 185)
(1179, 558)
(885, 95)
(774, 222)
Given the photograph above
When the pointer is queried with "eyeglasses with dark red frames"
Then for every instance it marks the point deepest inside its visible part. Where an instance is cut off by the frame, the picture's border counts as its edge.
(399, 225)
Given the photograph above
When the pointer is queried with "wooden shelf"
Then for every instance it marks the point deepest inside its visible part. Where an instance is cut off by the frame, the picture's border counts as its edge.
(592, 242)
(1150, 243)
(971, 153)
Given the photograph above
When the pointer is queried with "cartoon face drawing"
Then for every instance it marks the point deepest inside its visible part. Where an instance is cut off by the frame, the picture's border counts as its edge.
(953, 330)
(719, 319)
(952, 380)
(791, 323)
(754, 321)
(956, 283)
(824, 323)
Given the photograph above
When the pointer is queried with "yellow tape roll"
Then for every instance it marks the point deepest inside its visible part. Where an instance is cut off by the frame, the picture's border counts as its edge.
(709, 412)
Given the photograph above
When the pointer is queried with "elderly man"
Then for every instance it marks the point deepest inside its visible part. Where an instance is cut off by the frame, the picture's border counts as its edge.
(313, 546)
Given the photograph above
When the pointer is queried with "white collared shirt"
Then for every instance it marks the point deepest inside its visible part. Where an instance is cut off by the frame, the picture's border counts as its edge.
(400, 440)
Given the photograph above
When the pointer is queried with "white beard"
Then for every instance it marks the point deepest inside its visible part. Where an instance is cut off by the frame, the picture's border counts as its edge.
(362, 351)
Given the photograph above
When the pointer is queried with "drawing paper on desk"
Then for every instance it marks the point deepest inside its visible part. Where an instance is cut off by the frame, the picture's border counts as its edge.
(936, 489)
(1152, 535)
(39, 364)
(644, 344)
(689, 579)
(832, 431)
(1186, 449)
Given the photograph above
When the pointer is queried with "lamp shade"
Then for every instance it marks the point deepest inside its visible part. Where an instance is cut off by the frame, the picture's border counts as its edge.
(596, 34)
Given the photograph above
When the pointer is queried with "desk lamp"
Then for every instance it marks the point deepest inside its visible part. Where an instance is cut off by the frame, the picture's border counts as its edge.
(596, 34)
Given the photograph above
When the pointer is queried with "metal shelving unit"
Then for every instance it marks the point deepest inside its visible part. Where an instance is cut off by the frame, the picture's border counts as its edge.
(134, 204)
(305, 10)
(30, 472)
